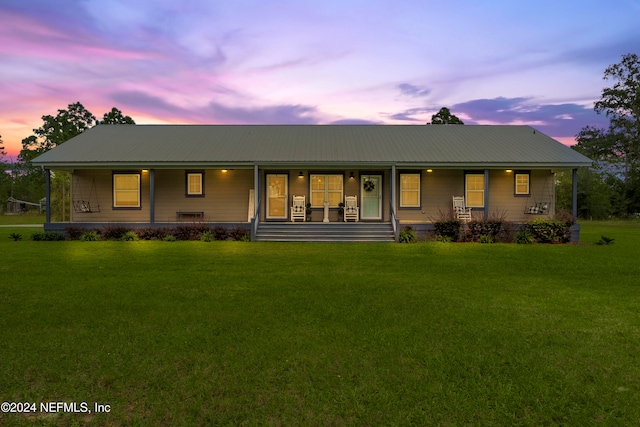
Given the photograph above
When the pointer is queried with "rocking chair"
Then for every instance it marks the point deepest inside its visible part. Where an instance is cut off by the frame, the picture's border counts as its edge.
(351, 208)
(298, 209)
(461, 211)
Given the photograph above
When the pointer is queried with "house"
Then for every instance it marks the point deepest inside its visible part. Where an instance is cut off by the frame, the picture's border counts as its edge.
(161, 175)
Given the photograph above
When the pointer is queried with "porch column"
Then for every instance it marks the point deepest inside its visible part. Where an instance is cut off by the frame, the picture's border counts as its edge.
(152, 196)
(47, 194)
(486, 193)
(392, 191)
(574, 193)
(256, 190)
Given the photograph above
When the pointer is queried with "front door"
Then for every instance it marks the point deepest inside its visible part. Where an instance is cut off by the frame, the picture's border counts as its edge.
(371, 191)
(277, 196)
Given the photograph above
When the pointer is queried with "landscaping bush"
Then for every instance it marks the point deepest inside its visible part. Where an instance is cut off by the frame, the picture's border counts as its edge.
(49, 236)
(169, 238)
(219, 233)
(74, 233)
(129, 236)
(523, 238)
(448, 228)
(152, 233)
(207, 236)
(113, 232)
(407, 235)
(478, 228)
(15, 236)
(90, 236)
(239, 233)
(190, 231)
(549, 230)
(485, 238)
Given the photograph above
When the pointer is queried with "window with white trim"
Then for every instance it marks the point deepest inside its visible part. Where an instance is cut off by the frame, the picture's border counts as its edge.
(326, 188)
(474, 190)
(126, 190)
(522, 184)
(195, 184)
(409, 190)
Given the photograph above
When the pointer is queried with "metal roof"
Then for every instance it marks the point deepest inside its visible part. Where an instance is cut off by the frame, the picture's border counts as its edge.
(148, 146)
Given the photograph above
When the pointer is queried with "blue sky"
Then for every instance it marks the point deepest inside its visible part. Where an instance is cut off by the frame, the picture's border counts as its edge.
(292, 62)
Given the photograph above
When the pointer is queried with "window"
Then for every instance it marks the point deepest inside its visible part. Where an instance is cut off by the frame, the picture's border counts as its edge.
(410, 190)
(195, 184)
(126, 190)
(522, 184)
(474, 189)
(326, 188)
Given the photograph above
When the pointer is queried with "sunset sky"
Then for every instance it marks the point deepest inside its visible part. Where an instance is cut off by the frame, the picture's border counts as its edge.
(310, 62)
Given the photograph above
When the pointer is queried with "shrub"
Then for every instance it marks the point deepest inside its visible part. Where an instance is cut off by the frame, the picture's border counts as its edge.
(129, 236)
(219, 233)
(485, 238)
(90, 236)
(407, 235)
(15, 236)
(207, 236)
(523, 238)
(151, 233)
(190, 231)
(478, 228)
(605, 241)
(49, 236)
(449, 228)
(240, 233)
(549, 230)
(74, 233)
(169, 238)
(114, 232)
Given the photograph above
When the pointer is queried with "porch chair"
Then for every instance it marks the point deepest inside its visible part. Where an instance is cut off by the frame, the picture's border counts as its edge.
(351, 208)
(298, 209)
(461, 211)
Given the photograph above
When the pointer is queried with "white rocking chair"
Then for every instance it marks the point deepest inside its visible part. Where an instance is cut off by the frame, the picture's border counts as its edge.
(351, 208)
(461, 211)
(299, 209)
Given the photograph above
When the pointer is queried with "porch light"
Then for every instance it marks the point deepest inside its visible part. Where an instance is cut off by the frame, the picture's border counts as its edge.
(429, 170)
(300, 175)
(509, 171)
(224, 171)
(145, 170)
(351, 176)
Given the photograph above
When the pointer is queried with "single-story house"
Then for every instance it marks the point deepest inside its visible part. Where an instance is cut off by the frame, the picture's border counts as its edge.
(259, 176)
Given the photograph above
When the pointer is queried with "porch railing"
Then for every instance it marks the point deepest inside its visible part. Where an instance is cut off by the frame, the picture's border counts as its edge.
(395, 222)
(255, 221)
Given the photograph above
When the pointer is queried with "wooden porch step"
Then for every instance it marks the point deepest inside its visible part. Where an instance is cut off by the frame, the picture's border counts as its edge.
(325, 232)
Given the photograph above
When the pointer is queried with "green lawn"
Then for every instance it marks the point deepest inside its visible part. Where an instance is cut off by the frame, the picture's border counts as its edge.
(234, 333)
(21, 219)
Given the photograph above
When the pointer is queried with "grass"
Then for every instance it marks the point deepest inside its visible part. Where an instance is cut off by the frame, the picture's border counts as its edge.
(233, 333)
(21, 219)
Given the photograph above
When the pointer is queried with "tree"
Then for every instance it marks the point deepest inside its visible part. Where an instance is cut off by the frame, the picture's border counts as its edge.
(115, 117)
(56, 130)
(618, 146)
(444, 117)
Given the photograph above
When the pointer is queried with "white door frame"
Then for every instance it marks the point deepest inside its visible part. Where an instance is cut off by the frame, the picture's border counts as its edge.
(268, 190)
(363, 179)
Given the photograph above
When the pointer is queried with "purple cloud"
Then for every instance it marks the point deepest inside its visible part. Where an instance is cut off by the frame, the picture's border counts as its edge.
(413, 90)
(557, 120)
